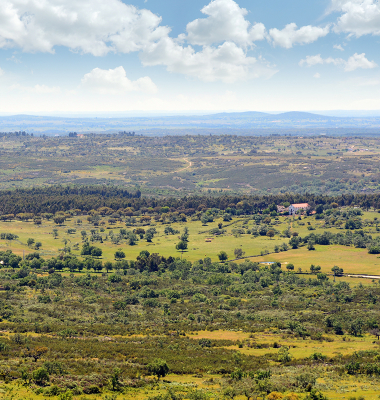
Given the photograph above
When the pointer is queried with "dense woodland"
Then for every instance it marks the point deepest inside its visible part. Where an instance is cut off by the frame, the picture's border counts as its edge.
(86, 198)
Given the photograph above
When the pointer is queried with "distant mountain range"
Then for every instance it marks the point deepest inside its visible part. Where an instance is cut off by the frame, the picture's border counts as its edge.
(244, 122)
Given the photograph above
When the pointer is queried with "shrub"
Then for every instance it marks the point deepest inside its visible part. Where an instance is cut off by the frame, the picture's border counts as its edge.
(158, 367)
(40, 376)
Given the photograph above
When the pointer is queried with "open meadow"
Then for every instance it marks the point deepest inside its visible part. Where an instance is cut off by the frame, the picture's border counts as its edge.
(202, 242)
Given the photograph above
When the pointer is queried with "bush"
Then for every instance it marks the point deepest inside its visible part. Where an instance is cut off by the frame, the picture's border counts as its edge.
(40, 376)
(158, 367)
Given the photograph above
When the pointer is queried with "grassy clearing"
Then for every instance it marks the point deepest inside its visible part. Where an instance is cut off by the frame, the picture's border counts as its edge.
(201, 243)
(299, 348)
(355, 261)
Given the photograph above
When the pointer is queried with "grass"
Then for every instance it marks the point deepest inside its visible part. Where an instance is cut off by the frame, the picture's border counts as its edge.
(352, 260)
(201, 244)
(299, 348)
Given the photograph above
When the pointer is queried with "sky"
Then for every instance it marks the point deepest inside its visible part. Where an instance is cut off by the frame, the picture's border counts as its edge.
(96, 56)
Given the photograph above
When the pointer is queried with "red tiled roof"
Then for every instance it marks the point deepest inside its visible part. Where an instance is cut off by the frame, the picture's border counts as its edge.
(301, 205)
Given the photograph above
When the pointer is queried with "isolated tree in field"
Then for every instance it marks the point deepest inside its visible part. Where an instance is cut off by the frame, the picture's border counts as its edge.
(30, 242)
(158, 367)
(310, 245)
(337, 271)
(37, 245)
(290, 267)
(119, 255)
(223, 256)
(59, 219)
(55, 233)
(270, 233)
(181, 246)
(314, 269)
(239, 253)
(96, 252)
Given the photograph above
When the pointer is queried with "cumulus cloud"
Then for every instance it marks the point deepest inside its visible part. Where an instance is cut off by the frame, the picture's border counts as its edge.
(290, 35)
(96, 27)
(359, 17)
(99, 27)
(354, 62)
(359, 61)
(115, 81)
(37, 89)
(317, 75)
(227, 62)
(225, 22)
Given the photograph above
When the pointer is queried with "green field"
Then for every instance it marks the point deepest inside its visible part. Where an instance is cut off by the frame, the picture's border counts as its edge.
(201, 242)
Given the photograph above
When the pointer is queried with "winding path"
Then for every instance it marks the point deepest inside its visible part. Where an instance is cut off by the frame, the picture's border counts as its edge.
(183, 169)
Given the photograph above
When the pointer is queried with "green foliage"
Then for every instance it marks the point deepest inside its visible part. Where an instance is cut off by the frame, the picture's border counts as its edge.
(158, 367)
(284, 355)
(40, 376)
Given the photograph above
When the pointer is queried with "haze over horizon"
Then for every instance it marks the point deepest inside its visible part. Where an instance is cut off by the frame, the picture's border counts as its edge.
(175, 56)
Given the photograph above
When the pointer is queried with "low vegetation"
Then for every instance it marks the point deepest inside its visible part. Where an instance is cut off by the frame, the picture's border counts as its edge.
(204, 297)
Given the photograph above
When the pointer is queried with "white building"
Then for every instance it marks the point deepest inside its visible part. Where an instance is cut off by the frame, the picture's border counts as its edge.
(296, 208)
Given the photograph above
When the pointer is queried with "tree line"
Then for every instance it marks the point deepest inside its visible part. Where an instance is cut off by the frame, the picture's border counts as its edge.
(86, 198)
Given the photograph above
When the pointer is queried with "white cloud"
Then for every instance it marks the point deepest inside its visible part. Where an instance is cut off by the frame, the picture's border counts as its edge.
(90, 26)
(37, 89)
(2, 72)
(338, 47)
(312, 60)
(359, 17)
(227, 62)
(317, 75)
(98, 27)
(115, 81)
(354, 62)
(290, 35)
(359, 61)
(225, 22)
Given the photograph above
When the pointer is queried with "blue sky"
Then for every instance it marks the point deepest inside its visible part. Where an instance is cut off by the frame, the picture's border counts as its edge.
(70, 56)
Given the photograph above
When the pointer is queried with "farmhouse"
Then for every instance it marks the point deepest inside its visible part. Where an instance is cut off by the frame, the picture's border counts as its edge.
(295, 208)
(281, 209)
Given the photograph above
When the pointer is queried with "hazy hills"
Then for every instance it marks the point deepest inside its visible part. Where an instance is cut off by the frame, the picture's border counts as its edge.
(245, 122)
